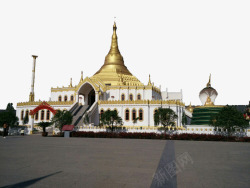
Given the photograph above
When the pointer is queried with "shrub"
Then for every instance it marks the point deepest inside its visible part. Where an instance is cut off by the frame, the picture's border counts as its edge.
(185, 136)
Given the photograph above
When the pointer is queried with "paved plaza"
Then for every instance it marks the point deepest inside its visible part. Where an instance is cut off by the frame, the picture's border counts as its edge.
(36, 161)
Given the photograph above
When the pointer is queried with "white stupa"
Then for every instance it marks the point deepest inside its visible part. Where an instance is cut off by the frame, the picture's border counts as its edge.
(208, 94)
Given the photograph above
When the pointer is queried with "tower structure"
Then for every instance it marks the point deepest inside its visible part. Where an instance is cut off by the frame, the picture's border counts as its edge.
(32, 93)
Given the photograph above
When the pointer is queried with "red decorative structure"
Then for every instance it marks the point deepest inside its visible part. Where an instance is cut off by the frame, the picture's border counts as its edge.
(43, 105)
(68, 128)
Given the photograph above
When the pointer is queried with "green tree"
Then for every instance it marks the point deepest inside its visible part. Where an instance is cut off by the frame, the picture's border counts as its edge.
(229, 118)
(44, 125)
(165, 116)
(111, 118)
(62, 118)
(9, 116)
(184, 118)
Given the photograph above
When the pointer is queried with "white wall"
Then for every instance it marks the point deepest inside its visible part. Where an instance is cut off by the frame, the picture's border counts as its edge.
(55, 95)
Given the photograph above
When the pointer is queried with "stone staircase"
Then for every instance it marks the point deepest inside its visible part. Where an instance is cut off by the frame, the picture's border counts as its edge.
(78, 113)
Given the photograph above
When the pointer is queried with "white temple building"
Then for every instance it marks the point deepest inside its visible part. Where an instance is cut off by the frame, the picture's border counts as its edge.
(111, 87)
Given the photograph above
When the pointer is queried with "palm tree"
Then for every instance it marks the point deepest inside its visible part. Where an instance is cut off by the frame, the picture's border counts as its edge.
(44, 125)
(62, 118)
(111, 117)
(165, 116)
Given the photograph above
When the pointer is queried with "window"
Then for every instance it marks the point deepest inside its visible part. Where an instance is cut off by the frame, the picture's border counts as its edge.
(71, 98)
(27, 113)
(22, 114)
(127, 115)
(48, 115)
(123, 97)
(139, 97)
(60, 98)
(140, 114)
(42, 115)
(36, 116)
(133, 114)
(65, 98)
(131, 97)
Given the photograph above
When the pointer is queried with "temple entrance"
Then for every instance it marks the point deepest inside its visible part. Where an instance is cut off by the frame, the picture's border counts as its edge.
(91, 97)
(88, 93)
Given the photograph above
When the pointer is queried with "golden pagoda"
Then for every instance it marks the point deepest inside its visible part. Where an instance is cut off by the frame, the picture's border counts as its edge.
(114, 72)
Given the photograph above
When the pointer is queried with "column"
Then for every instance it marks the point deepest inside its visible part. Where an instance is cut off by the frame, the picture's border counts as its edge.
(32, 94)
(32, 124)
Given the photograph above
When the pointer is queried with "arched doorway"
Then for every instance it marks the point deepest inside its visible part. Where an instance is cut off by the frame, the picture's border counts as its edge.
(88, 93)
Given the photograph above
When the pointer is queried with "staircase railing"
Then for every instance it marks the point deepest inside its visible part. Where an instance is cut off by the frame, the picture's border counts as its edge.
(80, 117)
(73, 107)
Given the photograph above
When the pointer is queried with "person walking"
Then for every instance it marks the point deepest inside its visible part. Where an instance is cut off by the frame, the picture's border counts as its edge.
(4, 130)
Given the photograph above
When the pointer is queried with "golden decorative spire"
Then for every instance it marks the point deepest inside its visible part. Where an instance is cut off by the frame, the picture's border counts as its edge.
(114, 56)
(70, 85)
(190, 108)
(81, 76)
(149, 81)
(209, 82)
(114, 63)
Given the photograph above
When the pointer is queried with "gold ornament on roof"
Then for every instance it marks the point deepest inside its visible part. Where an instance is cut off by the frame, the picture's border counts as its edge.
(209, 82)
(209, 102)
(190, 108)
(70, 85)
(81, 80)
(149, 81)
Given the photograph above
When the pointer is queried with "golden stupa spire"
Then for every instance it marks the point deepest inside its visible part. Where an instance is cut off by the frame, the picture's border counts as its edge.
(114, 56)
(209, 82)
(149, 81)
(114, 63)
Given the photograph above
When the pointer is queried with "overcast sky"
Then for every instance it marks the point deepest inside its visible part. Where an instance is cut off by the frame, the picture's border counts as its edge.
(178, 42)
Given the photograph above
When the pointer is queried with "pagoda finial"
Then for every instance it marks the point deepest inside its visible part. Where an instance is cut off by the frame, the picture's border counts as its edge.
(209, 82)
(114, 56)
(149, 81)
(81, 76)
(70, 85)
(114, 63)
